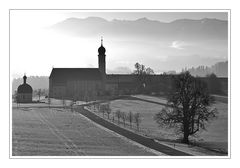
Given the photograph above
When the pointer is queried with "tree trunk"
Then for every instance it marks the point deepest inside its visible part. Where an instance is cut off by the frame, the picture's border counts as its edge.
(186, 122)
(185, 132)
(185, 138)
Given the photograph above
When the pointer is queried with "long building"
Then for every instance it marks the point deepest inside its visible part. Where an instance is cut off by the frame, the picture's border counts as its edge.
(91, 83)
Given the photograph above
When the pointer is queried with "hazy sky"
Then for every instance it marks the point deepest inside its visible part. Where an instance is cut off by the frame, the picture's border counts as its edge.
(35, 48)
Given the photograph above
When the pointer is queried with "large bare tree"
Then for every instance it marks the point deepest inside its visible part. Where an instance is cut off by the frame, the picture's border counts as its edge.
(188, 107)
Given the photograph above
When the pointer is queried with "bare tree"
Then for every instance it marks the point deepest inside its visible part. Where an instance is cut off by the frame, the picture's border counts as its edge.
(49, 102)
(113, 115)
(188, 106)
(149, 71)
(130, 118)
(137, 119)
(102, 109)
(71, 105)
(108, 109)
(143, 75)
(97, 106)
(63, 102)
(118, 114)
(39, 93)
(123, 116)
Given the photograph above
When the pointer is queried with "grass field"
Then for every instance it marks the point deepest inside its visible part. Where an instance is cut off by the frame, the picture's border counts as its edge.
(31, 126)
(215, 137)
(60, 132)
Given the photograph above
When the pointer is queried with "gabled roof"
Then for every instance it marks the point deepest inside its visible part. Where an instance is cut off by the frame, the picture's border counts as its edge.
(62, 74)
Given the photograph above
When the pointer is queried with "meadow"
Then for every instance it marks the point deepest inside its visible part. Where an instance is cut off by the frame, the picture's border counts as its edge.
(215, 137)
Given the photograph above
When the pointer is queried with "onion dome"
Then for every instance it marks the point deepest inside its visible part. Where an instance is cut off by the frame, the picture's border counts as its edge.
(24, 88)
(101, 49)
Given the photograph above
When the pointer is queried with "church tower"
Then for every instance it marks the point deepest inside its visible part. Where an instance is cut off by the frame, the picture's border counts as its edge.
(101, 59)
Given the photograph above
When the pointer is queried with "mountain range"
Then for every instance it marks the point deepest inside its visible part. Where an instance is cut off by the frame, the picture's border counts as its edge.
(185, 29)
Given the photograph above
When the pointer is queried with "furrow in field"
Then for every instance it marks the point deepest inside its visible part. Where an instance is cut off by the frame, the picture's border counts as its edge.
(66, 141)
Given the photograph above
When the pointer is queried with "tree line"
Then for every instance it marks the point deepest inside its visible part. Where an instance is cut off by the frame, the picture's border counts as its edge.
(118, 116)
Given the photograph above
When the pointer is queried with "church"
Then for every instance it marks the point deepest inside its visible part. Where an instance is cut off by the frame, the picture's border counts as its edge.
(24, 92)
(94, 83)
(89, 83)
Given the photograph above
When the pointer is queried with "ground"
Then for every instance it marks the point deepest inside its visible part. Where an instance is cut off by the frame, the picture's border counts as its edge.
(60, 132)
(214, 138)
(40, 131)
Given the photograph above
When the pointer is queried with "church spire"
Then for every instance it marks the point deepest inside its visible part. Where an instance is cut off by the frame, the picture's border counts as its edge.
(101, 58)
(101, 49)
(24, 78)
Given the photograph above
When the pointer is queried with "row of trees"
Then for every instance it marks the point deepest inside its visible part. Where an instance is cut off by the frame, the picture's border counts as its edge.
(130, 117)
(145, 84)
(121, 116)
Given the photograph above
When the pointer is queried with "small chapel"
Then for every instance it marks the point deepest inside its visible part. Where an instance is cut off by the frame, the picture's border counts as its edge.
(24, 92)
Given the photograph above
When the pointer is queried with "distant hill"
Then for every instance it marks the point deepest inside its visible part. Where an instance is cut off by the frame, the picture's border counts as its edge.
(220, 69)
(37, 82)
(181, 29)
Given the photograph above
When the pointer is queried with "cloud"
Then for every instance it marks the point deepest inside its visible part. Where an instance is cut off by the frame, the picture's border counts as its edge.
(178, 45)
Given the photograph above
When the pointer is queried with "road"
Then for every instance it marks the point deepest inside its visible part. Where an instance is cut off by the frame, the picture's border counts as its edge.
(60, 132)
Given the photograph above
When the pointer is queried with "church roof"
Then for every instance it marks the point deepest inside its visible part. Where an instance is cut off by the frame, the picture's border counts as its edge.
(76, 73)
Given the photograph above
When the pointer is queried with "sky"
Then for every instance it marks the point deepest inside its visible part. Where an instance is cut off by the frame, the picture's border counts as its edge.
(35, 48)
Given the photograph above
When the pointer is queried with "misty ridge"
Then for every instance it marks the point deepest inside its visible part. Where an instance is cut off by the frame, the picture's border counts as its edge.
(220, 69)
(185, 29)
